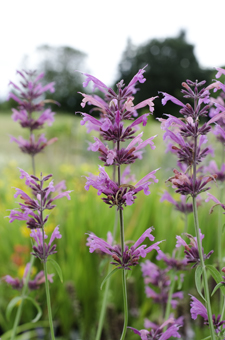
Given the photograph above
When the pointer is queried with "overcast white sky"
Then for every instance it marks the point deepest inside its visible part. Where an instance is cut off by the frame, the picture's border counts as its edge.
(101, 29)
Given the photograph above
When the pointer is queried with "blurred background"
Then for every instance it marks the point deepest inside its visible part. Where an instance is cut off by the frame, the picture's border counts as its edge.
(112, 41)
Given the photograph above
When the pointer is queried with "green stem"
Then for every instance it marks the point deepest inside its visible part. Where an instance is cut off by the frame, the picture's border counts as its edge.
(23, 295)
(168, 305)
(103, 306)
(25, 287)
(125, 305)
(124, 287)
(220, 258)
(220, 231)
(103, 309)
(205, 281)
(223, 310)
(48, 301)
(197, 233)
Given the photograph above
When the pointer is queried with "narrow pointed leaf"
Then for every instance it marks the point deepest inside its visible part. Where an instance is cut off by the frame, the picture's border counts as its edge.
(57, 268)
(216, 288)
(11, 305)
(217, 276)
(198, 281)
(15, 300)
(39, 311)
(108, 276)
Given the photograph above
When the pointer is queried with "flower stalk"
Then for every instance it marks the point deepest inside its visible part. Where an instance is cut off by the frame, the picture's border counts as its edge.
(23, 295)
(124, 285)
(48, 301)
(172, 287)
(202, 262)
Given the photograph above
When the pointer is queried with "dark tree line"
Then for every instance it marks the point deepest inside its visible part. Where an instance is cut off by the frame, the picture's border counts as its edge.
(169, 62)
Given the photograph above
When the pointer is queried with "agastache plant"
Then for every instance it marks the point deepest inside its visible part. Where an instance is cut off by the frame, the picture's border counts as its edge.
(31, 114)
(31, 210)
(116, 108)
(188, 144)
(218, 106)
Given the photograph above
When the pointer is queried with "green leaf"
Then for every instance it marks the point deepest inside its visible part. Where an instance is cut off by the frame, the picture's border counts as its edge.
(16, 299)
(216, 288)
(208, 337)
(198, 281)
(108, 276)
(11, 305)
(216, 275)
(57, 268)
(39, 313)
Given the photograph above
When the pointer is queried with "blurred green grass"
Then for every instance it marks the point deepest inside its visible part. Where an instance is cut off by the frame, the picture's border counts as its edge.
(76, 302)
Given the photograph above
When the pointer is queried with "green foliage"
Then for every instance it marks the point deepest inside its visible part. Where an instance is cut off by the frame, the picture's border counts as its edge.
(198, 281)
(76, 302)
(170, 62)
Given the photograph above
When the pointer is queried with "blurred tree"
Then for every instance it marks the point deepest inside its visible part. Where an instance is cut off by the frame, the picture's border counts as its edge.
(59, 65)
(170, 62)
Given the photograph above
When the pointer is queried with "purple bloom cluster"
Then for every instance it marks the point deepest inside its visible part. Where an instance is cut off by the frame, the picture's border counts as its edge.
(39, 252)
(32, 284)
(213, 169)
(191, 250)
(29, 96)
(218, 106)
(158, 333)
(119, 195)
(185, 132)
(197, 308)
(114, 110)
(183, 206)
(31, 211)
(130, 256)
(214, 199)
(159, 278)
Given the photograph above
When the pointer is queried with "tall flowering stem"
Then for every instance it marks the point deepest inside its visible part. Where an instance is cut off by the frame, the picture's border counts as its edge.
(23, 295)
(218, 106)
(114, 109)
(29, 97)
(197, 232)
(190, 139)
(31, 211)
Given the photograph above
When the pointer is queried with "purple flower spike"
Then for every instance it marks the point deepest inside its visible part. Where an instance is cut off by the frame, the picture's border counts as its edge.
(30, 99)
(32, 147)
(214, 199)
(158, 333)
(191, 250)
(183, 206)
(197, 308)
(32, 208)
(32, 284)
(130, 257)
(125, 194)
(49, 249)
